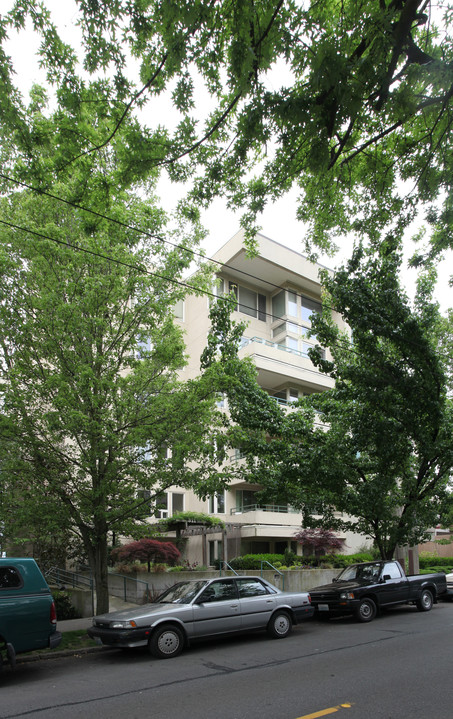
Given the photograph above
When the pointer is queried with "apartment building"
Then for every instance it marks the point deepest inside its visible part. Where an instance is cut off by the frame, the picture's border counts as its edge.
(277, 291)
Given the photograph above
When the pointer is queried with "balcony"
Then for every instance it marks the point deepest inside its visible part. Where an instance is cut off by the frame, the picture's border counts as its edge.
(277, 364)
(266, 514)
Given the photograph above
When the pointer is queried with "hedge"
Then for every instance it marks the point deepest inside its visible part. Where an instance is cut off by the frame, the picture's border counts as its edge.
(253, 561)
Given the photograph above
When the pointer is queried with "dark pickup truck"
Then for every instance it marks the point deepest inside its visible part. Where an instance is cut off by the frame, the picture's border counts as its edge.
(28, 619)
(363, 589)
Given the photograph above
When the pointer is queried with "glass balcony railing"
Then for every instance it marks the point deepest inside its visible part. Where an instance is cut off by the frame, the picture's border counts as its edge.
(282, 508)
(245, 341)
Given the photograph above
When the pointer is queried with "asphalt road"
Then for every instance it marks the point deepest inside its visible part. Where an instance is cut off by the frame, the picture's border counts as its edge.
(397, 667)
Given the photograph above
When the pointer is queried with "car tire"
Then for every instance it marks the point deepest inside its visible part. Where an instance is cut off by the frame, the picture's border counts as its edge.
(167, 641)
(280, 625)
(366, 611)
(425, 602)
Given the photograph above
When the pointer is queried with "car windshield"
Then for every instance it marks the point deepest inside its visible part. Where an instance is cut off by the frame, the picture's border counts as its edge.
(181, 593)
(361, 572)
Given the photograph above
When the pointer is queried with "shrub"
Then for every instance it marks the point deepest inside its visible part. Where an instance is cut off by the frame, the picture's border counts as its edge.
(427, 559)
(253, 561)
(344, 560)
(147, 550)
(319, 540)
(63, 605)
(433, 569)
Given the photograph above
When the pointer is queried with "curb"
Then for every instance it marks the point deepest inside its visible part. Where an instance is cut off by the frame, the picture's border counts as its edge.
(22, 659)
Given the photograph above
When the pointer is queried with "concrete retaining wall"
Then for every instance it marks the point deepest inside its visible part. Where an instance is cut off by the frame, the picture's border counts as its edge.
(297, 580)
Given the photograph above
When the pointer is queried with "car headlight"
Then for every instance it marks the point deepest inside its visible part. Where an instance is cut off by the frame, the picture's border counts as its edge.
(347, 595)
(123, 625)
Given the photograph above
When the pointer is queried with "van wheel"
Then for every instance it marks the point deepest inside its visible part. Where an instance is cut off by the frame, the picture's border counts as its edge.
(11, 654)
(425, 601)
(166, 642)
(366, 611)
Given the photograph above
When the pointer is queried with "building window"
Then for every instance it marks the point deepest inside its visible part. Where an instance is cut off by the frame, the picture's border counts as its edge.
(309, 307)
(250, 303)
(221, 401)
(215, 550)
(217, 503)
(245, 499)
(144, 347)
(288, 303)
(279, 305)
(292, 304)
(178, 310)
(161, 506)
(177, 502)
(287, 396)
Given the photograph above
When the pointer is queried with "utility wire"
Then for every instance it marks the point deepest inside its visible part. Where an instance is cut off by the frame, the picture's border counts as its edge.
(161, 239)
(139, 268)
(341, 343)
(134, 228)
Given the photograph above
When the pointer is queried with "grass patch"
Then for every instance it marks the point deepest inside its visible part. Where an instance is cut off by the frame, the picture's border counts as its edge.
(77, 639)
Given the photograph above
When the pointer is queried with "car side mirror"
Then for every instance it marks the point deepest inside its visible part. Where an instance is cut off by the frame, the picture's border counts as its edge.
(386, 577)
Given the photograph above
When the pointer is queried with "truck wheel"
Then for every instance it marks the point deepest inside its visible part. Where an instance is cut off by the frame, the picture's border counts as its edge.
(280, 625)
(425, 601)
(166, 642)
(366, 611)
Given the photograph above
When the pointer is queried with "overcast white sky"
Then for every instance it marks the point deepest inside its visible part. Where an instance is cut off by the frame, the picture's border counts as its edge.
(278, 221)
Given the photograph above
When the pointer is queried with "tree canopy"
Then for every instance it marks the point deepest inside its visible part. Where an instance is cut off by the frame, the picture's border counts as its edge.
(350, 102)
(373, 455)
(96, 420)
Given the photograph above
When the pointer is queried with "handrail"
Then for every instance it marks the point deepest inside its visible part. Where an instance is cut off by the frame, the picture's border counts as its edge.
(130, 579)
(64, 577)
(264, 561)
(221, 563)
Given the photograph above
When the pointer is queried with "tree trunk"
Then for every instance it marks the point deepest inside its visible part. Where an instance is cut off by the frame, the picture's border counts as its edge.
(100, 570)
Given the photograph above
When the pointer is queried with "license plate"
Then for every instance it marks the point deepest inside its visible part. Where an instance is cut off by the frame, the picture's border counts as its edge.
(323, 607)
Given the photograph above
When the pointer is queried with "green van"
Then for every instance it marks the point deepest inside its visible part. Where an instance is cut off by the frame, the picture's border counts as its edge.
(28, 619)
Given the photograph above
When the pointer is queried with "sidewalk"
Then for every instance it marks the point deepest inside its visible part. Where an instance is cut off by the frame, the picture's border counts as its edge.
(69, 625)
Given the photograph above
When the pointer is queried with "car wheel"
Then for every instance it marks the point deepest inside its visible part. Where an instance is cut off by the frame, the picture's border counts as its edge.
(366, 611)
(167, 641)
(280, 625)
(425, 601)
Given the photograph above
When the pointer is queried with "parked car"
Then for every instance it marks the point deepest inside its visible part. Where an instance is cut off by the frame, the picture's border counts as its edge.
(28, 619)
(449, 579)
(203, 608)
(363, 589)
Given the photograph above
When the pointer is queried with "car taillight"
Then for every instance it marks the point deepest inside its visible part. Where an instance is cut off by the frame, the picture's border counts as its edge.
(53, 613)
(309, 599)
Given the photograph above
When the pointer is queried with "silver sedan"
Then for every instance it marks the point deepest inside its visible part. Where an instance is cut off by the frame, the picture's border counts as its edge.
(203, 608)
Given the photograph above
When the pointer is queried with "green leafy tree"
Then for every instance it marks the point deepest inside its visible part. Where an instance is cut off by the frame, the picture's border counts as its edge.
(363, 105)
(374, 454)
(97, 422)
(389, 415)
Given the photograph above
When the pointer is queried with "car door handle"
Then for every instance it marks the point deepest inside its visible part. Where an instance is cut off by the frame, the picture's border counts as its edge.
(234, 606)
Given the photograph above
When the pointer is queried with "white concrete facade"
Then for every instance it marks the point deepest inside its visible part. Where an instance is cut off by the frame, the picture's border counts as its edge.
(277, 290)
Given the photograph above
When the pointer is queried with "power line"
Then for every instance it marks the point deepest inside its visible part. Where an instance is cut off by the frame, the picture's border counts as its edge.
(134, 228)
(139, 268)
(143, 269)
